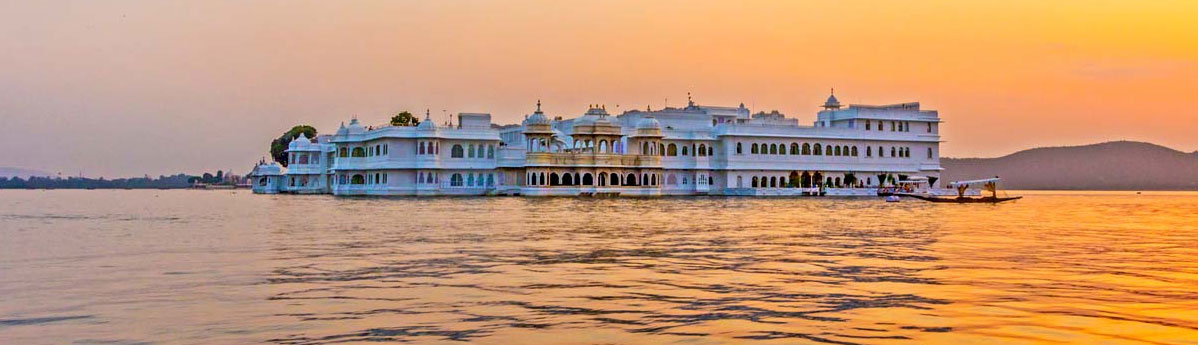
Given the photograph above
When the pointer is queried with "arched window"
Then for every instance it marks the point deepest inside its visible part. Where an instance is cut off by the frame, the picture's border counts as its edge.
(740, 182)
(344, 152)
(837, 153)
(869, 151)
(819, 151)
(456, 151)
(602, 179)
(470, 180)
(645, 148)
(702, 150)
(671, 150)
(630, 180)
(603, 146)
(661, 149)
(867, 125)
(470, 152)
(806, 149)
(568, 179)
(455, 180)
(753, 149)
(929, 153)
(420, 148)
(358, 152)
(357, 179)
(773, 149)
(837, 182)
(587, 179)
(854, 151)
(490, 180)
(773, 181)
(794, 148)
(893, 151)
(739, 149)
(554, 180)
(827, 150)
(684, 150)
(754, 181)
(881, 151)
(711, 150)
(541, 179)
(653, 180)
(615, 179)
(645, 179)
(490, 151)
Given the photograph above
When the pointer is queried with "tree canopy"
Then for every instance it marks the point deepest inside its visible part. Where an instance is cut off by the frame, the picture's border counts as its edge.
(404, 118)
(278, 147)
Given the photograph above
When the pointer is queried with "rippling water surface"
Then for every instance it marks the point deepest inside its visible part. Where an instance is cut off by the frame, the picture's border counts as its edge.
(229, 267)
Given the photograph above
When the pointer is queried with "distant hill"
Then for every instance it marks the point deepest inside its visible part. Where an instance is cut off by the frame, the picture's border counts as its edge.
(1117, 165)
(22, 173)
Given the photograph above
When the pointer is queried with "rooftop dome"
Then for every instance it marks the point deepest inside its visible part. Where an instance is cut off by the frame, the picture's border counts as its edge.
(832, 102)
(537, 117)
(355, 127)
(648, 123)
(427, 123)
(300, 142)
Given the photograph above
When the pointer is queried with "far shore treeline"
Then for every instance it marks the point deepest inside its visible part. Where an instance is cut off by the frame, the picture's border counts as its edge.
(147, 182)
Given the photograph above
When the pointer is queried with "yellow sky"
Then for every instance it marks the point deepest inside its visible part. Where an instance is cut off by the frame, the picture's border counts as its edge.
(206, 84)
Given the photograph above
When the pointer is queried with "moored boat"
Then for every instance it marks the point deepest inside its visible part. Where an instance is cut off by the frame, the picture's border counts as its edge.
(962, 187)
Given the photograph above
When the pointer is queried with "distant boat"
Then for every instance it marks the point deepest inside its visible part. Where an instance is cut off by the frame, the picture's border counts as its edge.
(990, 184)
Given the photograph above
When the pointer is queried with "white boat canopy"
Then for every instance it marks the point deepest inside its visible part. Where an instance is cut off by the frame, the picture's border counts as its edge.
(981, 182)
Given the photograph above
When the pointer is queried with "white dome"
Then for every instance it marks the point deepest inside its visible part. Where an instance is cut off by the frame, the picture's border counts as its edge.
(832, 101)
(355, 127)
(537, 118)
(648, 123)
(426, 124)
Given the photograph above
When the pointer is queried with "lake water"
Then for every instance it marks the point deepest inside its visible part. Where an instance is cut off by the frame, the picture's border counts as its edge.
(230, 267)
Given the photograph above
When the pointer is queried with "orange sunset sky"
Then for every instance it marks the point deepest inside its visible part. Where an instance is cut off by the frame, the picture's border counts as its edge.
(117, 88)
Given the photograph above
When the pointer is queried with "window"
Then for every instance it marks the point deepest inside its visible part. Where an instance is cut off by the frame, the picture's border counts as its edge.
(710, 180)
(893, 151)
(385, 149)
(837, 153)
(455, 180)
(753, 150)
(672, 150)
(867, 125)
(357, 179)
(702, 150)
(794, 148)
(421, 148)
(754, 182)
(684, 150)
(929, 127)
(469, 179)
(359, 152)
(344, 152)
(773, 149)
(490, 151)
(854, 151)
(738, 149)
(490, 180)
(929, 153)
(470, 153)
(819, 151)
(456, 152)
(806, 149)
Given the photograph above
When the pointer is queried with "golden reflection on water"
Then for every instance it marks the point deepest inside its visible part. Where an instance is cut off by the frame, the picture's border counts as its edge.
(232, 267)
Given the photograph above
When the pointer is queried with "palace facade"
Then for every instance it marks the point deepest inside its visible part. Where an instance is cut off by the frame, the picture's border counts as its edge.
(694, 150)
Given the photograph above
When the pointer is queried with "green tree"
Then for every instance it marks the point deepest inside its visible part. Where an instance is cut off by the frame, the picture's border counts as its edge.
(278, 147)
(404, 118)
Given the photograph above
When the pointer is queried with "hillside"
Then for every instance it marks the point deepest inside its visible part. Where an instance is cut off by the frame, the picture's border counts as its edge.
(1118, 165)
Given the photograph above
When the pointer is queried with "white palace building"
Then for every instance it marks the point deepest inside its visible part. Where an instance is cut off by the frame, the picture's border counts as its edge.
(695, 150)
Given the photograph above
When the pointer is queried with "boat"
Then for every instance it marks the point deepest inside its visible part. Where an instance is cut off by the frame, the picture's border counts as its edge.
(990, 185)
